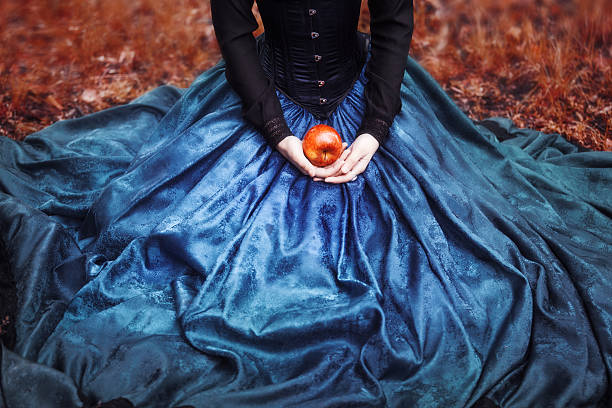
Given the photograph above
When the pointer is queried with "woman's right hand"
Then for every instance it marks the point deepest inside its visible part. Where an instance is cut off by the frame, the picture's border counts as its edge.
(291, 148)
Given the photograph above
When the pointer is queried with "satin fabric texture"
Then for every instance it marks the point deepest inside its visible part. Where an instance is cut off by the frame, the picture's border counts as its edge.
(164, 253)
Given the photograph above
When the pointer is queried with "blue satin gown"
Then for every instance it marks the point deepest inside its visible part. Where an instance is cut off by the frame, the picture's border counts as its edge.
(164, 253)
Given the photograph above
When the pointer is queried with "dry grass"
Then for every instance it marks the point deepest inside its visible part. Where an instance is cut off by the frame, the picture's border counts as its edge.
(66, 58)
(546, 64)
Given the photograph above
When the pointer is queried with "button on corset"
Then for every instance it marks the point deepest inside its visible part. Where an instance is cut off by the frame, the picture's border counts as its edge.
(312, 57)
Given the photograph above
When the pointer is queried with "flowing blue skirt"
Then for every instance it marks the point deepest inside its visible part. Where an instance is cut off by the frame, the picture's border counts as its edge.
(162, 252)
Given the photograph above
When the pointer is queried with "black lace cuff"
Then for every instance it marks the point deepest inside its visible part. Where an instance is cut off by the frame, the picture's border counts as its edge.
(275, 130)
(376, 127)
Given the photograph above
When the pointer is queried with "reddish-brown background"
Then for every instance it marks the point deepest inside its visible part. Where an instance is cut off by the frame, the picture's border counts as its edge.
(546, 64)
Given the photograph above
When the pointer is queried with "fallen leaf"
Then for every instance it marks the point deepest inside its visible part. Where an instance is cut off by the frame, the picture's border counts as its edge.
(53, 102)
(89, 95)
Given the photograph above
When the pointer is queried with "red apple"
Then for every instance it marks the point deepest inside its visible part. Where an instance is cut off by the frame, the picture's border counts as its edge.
(322, 145)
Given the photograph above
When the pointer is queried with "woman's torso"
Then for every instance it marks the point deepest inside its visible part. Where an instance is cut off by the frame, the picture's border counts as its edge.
(312, 50)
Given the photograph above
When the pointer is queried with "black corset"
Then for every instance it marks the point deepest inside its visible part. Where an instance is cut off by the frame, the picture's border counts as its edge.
(312, 50)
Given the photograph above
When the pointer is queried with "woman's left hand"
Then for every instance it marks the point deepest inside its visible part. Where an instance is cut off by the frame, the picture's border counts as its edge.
(356, 159)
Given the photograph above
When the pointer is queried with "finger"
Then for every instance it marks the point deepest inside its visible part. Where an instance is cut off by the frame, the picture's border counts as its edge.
(345, 154)
(317, 179)
(361, 165)
(344, 178)
(330, 174)
(352, 159)
(359, 168)
(330, 170)
(341, 160)
(334, 168)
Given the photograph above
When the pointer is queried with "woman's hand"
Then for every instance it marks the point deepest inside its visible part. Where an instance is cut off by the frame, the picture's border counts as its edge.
(291, 148)
(354, 160)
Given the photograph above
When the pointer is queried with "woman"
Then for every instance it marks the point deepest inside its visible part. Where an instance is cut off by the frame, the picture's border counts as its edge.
(180, 250)
(316, 69)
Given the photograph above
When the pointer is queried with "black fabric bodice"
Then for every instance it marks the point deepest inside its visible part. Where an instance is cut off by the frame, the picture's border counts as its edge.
(312, 50)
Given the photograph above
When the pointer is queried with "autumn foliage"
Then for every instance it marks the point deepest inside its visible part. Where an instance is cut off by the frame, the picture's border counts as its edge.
(546, 64)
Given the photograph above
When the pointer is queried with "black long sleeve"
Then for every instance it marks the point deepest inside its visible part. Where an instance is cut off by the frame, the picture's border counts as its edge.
(234, 24)
(391, 28)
